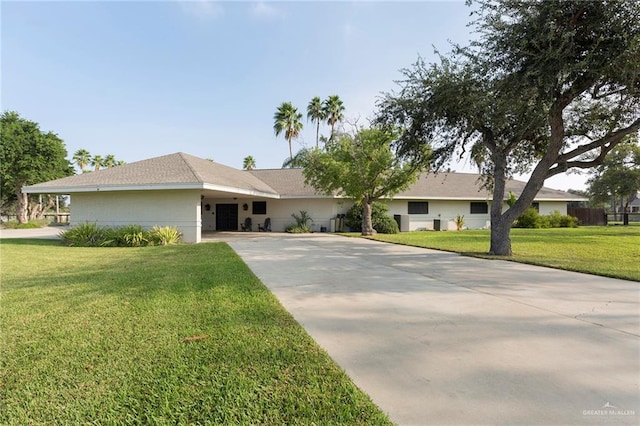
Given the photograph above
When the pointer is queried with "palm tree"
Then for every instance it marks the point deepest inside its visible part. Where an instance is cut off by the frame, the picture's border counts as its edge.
(287, 120)
(297, 161)
(316, 113)
(333, 109)
(110, 161)
(249, 163)
(82, 157)
(97, 161)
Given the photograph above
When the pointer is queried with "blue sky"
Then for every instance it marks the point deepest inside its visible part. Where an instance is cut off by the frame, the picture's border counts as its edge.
(148, 78)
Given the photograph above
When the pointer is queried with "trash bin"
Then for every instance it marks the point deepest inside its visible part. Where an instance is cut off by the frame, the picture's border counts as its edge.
(436, 224)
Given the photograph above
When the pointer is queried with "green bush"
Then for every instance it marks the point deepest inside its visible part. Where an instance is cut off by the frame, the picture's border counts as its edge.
(92, 235)
(87, 235)
(380, 219)
(165, 235)
(532, 219)
(302, 223)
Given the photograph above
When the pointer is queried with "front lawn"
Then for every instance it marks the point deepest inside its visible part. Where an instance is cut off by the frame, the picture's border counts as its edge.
(612, 251)
(157, 335)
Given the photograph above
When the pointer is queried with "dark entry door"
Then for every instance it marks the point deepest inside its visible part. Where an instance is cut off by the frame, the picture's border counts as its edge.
(226, 217)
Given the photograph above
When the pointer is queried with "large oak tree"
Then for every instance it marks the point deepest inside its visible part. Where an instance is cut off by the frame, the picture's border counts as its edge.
(547, 87)
(29, 156)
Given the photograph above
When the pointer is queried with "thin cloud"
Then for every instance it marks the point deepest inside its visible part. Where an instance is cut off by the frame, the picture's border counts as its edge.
(202, 9)
(264, 10)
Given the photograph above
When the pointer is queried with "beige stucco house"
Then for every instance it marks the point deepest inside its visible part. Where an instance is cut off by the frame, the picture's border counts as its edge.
(196, 195)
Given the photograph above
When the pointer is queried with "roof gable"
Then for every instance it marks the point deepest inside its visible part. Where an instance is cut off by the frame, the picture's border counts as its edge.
(177, 170)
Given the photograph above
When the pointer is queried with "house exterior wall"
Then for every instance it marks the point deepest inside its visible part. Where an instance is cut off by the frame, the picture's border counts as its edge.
(321, 210)
(179, 208)
(447, 210)
(548, 207)
(443, 210)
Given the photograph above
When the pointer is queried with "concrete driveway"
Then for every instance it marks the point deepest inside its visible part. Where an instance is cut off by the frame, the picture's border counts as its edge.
(437, 338)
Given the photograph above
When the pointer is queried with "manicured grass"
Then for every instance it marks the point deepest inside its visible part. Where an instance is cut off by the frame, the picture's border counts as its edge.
(612, 251)
(157, 335)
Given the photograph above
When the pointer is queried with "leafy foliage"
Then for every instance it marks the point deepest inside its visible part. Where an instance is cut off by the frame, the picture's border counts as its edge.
(619, 175)
(91, 235)
(164, 235)
(249, 163)
(287, 120)
(333, 110)
(380, 219)
(363, 167)
(28, 156)
(302, 223)
(531, 218)
(545, 84)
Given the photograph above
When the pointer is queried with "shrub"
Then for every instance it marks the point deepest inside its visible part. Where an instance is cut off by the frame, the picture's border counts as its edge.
(302, 223)
(131, 236)
(87, 235)
(459, 221)
(164, 235)
(386, 225)
(532, 219)
(381, 221)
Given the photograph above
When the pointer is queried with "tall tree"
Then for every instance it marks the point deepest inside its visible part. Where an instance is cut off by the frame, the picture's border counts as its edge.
(249, 163)
(82, 158)
(298, 160)
(110, 161)
(316, 113)
(97, 161)
(333, 111)
(618, 178)
(545, 84)
(363, 167)
(287, 120)
(29, 156)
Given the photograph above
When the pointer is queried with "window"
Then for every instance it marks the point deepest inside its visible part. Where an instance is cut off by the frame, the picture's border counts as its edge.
(418, 207)
(536, 206)
(479, 207)
(259, 207)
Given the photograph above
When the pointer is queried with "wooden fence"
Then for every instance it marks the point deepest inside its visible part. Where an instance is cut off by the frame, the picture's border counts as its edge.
(588, 216)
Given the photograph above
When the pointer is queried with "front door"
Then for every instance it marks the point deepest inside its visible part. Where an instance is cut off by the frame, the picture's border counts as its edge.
(226, 217)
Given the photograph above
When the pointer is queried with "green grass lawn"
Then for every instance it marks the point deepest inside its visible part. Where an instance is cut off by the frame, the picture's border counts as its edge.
(157, 335)
(612, 251)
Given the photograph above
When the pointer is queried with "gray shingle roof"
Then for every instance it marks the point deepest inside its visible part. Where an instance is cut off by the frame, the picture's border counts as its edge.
(468, 186)
(181, 170)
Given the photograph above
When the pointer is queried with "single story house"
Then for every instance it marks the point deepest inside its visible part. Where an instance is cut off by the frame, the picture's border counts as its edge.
(195, 195)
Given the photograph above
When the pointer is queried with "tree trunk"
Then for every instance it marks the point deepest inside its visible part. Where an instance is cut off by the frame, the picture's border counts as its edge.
(501, 237)
(500, 223)
(290, 150)
(367, 226)
(21, 206)
(317, 133)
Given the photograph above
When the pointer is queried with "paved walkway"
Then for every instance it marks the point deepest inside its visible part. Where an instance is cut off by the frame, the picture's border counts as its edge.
(436, 338)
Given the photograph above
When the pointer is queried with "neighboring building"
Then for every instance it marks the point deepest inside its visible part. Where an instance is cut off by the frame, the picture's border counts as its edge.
(634, 204)
(198, 195)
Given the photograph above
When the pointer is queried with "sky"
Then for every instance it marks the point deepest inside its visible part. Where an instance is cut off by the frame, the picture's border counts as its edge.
(149, 78)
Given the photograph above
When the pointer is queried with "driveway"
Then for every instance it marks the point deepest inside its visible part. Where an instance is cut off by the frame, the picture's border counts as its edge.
(437, 338)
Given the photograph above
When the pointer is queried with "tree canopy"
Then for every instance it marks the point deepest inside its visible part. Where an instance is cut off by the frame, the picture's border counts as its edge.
(547, 87)
(618, 177)
(28, 156)
(362, 167)
(287, 120)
